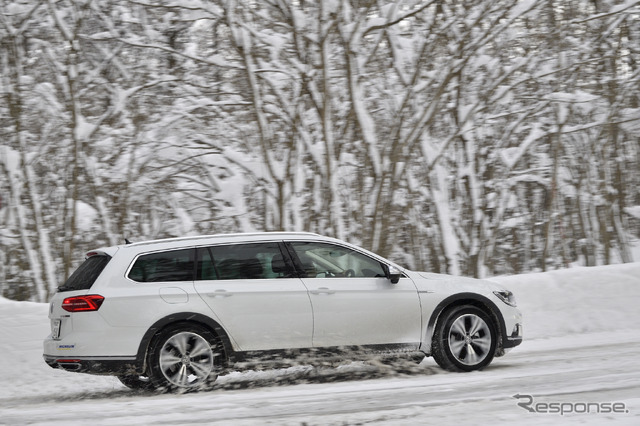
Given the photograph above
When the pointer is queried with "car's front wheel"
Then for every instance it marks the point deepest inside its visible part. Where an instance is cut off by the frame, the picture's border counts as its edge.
(183, 356)
(465, 339)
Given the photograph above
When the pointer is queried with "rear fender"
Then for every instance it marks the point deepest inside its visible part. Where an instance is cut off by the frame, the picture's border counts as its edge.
(183, 317)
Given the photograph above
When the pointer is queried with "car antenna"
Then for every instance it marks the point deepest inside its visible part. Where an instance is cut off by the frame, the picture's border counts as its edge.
(126, 241)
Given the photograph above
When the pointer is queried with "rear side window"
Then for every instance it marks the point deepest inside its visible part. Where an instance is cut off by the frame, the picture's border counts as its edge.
(84, 277)
(175, 265)
(242, 262)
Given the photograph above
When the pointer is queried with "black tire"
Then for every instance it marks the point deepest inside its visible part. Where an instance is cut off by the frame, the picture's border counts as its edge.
(184, 357)
(465, 339)
(138, 383)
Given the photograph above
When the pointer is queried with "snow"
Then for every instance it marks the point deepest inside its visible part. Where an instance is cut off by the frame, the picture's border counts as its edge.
(581, 346)
(86, 216)
(83, 128)
(633, 211)
(511, 156)
(10, 159)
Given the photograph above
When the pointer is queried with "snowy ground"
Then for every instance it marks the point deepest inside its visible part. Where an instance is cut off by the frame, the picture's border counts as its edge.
(582, 347)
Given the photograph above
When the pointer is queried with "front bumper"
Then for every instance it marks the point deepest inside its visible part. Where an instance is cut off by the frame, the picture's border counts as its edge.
(514, 339)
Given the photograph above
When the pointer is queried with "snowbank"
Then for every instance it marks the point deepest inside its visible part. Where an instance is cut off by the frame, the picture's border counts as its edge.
(577, 300)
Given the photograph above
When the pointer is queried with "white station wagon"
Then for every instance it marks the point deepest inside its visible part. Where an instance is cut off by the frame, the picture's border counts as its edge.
(174, 313)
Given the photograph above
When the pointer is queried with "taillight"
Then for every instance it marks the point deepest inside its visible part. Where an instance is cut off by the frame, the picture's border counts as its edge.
(87, 303)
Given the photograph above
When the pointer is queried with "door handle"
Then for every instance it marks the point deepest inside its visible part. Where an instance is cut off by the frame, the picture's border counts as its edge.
(220, 293)
(322, 290)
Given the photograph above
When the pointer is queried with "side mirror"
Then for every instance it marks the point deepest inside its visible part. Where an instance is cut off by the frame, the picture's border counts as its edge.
(393, 274)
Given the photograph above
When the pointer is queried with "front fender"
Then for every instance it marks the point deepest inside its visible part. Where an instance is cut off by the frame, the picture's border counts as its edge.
(458, 300)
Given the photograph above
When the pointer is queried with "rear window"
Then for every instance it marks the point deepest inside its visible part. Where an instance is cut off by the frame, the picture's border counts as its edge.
(84, 277)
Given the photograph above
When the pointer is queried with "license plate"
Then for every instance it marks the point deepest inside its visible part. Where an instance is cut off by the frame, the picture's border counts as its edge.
(55, 329)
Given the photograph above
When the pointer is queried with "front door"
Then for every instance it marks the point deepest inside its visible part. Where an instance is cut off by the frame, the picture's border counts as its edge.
(354, 303)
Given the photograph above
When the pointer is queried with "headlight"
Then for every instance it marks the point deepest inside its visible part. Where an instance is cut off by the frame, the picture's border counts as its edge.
(506, 296)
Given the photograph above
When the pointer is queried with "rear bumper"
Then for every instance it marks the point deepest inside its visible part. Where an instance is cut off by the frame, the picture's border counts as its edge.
(118, 366)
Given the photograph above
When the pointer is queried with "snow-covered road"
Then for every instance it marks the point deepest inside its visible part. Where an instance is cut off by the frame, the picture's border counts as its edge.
(581, 354)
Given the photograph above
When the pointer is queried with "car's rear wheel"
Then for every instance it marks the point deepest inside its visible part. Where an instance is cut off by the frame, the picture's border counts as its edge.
(140, 383)
(184, 356)
(465, 339)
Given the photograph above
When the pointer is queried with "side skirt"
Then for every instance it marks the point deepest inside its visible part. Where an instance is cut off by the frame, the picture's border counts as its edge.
(322, 356)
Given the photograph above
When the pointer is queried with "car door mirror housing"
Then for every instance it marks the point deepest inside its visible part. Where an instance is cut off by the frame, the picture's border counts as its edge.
(393, 274)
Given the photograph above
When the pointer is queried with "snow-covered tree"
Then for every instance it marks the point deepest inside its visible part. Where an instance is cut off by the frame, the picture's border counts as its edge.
(465, 137)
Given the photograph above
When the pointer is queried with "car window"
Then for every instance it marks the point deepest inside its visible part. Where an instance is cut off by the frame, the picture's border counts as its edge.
(242, 262)
(323, 260)
(86, 274)
(174, 265)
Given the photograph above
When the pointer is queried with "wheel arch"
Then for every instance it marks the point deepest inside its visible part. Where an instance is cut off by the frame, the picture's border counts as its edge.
(183, 318)
(461, 299)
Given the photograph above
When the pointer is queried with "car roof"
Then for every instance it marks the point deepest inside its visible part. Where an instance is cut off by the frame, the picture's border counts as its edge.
(222, 238)
(134, 249)
(177, 242)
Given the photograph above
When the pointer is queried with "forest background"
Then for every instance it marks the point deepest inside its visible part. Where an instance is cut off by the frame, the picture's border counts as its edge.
(468, 137)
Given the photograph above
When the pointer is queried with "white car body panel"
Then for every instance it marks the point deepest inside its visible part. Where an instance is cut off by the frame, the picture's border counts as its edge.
(261, 314)
(364, 311)
(435, 288)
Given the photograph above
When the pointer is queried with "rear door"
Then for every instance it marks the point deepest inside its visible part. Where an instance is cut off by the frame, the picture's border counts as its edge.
(251, 288)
